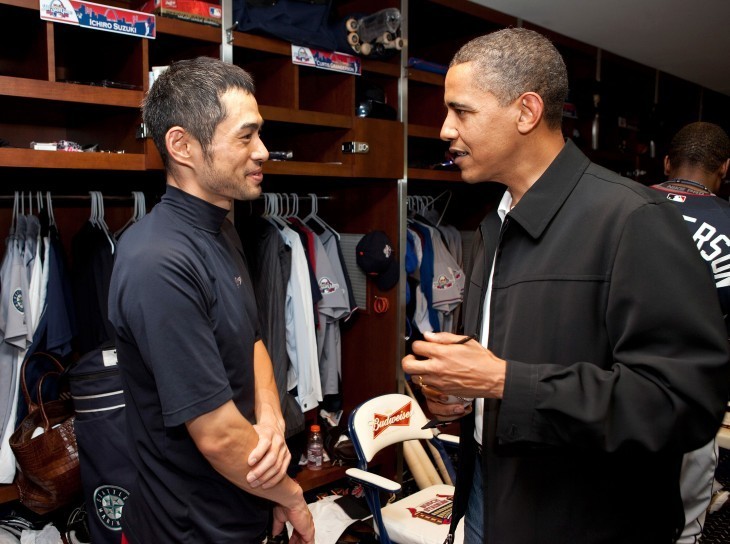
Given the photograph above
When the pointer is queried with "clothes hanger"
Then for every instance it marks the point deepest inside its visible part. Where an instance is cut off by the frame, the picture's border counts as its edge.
(313, 216)
(92, 208)
(140, 205)
(14, 220)
(448, 199)
(271, 213)
(136, 215)
(295, 205)
(49, 204)
(98, 206)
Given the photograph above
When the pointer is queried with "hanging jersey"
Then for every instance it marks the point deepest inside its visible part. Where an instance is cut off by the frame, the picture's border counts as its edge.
(301, 341)
(333, 307)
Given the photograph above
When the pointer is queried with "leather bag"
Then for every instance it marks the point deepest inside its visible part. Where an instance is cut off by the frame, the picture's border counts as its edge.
(49, 475)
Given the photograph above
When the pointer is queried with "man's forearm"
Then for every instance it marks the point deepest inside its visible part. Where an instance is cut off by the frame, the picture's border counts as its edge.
(267, 405)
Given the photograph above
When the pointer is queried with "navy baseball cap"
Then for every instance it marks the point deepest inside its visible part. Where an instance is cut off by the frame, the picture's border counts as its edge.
(375, 256)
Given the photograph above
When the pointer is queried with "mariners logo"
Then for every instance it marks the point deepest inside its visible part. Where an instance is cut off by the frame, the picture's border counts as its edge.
(109, 501)
(18, 300)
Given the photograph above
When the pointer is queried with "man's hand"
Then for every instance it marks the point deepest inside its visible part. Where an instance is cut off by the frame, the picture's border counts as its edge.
(301, 519)
(269, 459)
(445, 407)
(446, 367)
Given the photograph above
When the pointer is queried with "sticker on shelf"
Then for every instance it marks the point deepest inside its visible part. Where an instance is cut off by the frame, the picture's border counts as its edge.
(326, 60)
(99, 17)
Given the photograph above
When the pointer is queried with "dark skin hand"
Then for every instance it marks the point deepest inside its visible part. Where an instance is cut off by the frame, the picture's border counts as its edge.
(448, 371)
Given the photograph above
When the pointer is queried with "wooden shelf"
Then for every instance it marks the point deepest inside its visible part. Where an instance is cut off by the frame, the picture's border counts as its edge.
(434, 175)
(188, 29)
(30, 158)
(305, 117)
(311, 479)
(296, 168)
(261, 43)
(424, 131)
(69, 92)
(29, 4)
(422, 76)
(380, 67)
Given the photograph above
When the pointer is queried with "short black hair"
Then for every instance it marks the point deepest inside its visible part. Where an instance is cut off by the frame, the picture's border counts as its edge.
(513, 61)
(188, 94)
(700, 144)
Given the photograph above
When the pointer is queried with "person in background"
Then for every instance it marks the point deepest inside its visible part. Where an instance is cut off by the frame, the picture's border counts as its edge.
(696, 165)
(601, 356)
(203, 413)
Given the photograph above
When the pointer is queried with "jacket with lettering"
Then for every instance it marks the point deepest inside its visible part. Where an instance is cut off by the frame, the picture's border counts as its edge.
(617, 361)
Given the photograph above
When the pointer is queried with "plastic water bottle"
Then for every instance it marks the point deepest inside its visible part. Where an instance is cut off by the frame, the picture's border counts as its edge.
(314, 449)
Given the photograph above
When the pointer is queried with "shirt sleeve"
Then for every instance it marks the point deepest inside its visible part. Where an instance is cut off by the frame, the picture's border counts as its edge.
(167, 313)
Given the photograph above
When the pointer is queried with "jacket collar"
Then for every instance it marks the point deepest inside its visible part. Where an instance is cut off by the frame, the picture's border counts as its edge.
(542, 201)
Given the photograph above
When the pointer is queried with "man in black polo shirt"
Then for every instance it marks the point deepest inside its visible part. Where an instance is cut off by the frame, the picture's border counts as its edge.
(203, 412)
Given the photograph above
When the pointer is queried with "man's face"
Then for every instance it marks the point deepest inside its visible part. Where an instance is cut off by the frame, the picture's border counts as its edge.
(232, 167)
(482, 135)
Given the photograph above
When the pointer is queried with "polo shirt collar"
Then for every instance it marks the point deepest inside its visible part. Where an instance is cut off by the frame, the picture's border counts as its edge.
(541, 202)
(194, 210)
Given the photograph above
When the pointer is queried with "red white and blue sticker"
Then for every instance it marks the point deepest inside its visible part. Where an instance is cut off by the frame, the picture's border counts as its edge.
(326, 60)
(99, 17)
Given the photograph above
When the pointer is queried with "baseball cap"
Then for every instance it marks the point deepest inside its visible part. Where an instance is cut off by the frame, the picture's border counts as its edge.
(375, 256)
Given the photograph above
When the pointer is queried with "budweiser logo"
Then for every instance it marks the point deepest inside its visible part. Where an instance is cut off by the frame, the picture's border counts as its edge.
(401, 418)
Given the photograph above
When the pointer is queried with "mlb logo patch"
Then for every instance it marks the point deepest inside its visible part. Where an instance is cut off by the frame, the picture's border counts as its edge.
(676, 198)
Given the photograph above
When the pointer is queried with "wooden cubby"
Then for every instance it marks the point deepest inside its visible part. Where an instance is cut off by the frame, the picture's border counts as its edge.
(45, 95)
(628, 116)
(63, 82)
(27, 37)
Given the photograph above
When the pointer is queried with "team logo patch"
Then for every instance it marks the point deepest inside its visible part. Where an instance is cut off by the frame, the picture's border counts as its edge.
(18, 300)
(400, 418)
(387, 251)
(109, 501)
(437, 510)
(676, 198)
(237, 280)
(58, 10)
(326, 287)
(443, 282)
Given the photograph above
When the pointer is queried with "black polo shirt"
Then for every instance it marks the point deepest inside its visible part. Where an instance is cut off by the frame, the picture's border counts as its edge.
(183, 307)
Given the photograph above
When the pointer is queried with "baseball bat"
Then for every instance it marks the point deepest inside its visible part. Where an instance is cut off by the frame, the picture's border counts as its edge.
(417, 470)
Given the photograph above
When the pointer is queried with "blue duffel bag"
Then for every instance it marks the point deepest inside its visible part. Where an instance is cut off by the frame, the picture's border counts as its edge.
(107, 470)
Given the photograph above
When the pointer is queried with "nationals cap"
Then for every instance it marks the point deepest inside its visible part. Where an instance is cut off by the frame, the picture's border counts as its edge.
(375, 256)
